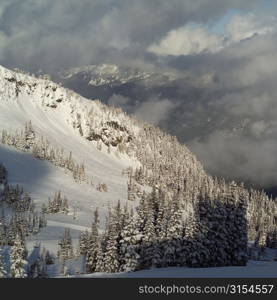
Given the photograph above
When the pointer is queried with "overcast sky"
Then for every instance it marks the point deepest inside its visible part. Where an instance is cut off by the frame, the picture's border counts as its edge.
(62, 33)
(231, 42)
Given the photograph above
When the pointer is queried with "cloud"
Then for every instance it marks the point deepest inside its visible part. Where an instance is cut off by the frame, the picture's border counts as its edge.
(123, 102)
(187, 40)
(49, 35)
(195, 39)
(239, 157)
(154, 110)
(246, 26)
(118, 100)
(238, 135)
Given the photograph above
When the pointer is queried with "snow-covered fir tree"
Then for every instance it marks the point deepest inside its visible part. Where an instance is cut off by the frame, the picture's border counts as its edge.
(3, 178)
(66, 247)
(84, 242)
(3, 272)
(93, 244)
(56, 205)
(17, 257)
(130, 240)
(111, 261)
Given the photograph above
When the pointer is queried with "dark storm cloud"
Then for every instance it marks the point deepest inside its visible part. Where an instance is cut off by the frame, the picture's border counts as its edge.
(60, 34)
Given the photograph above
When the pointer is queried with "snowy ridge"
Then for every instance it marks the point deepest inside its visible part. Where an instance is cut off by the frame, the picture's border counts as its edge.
(98, 75)
(114, 75)
(20, 87)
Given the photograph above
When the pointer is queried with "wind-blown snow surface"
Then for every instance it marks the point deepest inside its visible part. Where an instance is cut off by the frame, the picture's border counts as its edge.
(52, 110)
(254, 269)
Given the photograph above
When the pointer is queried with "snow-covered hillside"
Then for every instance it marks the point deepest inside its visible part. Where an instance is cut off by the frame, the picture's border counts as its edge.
(53, 111)
(88, 129)
(72, 156)
(113, 75)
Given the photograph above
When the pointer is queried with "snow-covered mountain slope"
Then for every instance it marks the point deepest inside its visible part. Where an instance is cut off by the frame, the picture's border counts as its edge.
(112, 75)
(52, 139)
(54, 111)
(199, 109)
(170, 99)
(104, 139)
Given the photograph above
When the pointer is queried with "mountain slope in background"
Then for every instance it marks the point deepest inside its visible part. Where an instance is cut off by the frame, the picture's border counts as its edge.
(213, 121)
(133, 89)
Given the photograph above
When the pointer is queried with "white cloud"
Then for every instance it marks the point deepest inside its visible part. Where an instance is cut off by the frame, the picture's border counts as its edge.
(118, 101)
(240, 157)
(154, 110)
(187, 40)
(246, 26)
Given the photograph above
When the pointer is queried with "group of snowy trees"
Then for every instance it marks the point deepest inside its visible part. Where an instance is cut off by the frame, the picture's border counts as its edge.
(189, 219)
(27, 140)
(18, 214)
(18, 199)
(170, 165)
(134, 185)
(158, 234)
(18, 220)
(56, 205)
(102, 187)
(15, 262)
(262, 216)
(167, 163)
(24, 224)
(101, 124)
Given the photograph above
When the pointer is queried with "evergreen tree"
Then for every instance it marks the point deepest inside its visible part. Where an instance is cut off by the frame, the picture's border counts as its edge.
(3, 272)
(93, 245)
(66, 248)
(130, 240)
(100, 264)
(111, 258)
(18, 262)
(149, 242)
(83, 242)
